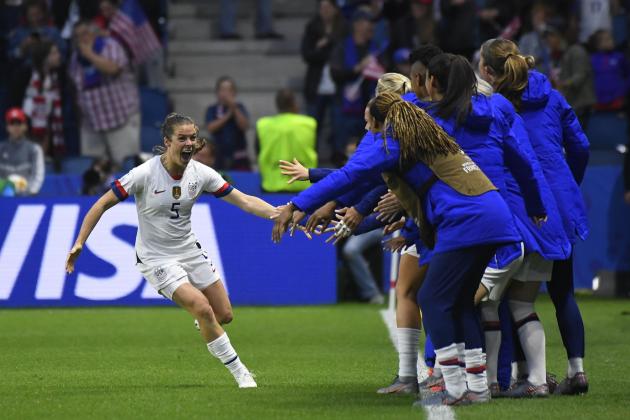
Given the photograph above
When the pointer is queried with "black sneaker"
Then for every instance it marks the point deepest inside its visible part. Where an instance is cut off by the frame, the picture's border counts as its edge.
(577, 385)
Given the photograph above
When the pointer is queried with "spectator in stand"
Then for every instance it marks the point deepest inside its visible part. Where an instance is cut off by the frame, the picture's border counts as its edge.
(98, 178)
(263, 22)
(107, 95)
(139, 40)
(494, 16)
(458, 27)
(21, 160)
(322, 33)
(355, 67)
(592, 15)
(574, 78)
(532, 42)
(39, 92)
(284, 137)
(611, 71)
(227, 121)
(38, 27)
(415, 28)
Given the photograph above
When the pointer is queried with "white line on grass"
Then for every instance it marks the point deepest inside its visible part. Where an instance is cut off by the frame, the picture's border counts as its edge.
(437, 412)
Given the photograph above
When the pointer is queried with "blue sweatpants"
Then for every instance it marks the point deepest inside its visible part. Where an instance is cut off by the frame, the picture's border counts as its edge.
(446, 297)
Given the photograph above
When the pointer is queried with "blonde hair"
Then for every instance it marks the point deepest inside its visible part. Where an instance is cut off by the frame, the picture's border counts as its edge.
(393, 83)
(510, 68)
(420, 138)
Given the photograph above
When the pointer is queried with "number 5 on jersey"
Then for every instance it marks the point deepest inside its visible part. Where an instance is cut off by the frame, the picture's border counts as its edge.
(175, 209)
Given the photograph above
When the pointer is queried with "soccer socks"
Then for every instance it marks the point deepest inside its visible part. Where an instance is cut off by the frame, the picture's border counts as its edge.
(454, 378)
(492, 333)
(576, 365)
(222, 349)
(532, 338)
(476, 370)
(408, 344)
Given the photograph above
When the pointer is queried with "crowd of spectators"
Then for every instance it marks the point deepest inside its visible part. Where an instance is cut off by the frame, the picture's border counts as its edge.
(75, 73)
(73, 69)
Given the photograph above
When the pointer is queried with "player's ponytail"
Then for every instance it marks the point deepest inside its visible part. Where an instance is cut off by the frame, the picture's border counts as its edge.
(457, 83)
(394, 83)
(509, 66)
(420, 138)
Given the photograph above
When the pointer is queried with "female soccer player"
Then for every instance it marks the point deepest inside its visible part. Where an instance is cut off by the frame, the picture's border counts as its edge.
(167, 252)
(462, 207)
(562, 149)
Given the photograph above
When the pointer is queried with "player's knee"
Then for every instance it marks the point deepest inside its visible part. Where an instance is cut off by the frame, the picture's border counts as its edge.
(225, 317)
(204, 311)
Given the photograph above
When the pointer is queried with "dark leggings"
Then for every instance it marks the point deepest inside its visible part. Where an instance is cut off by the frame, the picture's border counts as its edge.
(567, 312)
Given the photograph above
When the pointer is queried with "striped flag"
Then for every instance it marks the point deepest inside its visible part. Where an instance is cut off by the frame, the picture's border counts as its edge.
(130, 26)
(374, 70)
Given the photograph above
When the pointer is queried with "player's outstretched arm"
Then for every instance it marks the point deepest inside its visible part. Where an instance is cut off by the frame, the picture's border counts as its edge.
(90, 220)
(251, 204)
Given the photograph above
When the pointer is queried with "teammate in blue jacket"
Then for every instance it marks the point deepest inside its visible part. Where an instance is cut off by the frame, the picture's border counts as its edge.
(562, 150)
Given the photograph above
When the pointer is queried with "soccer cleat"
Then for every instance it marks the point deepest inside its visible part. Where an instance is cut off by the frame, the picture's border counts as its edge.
(432, 382)
(552, 383)
(401, 385)
(245, 379)
(475, 397)
(440, 398)
(496, 391)
(577, 385)
(526, 389)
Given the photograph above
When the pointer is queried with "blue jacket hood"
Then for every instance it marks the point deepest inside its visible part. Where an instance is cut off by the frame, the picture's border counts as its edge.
(537, 92)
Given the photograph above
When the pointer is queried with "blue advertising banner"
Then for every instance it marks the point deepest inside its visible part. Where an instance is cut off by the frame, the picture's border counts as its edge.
(36, 234)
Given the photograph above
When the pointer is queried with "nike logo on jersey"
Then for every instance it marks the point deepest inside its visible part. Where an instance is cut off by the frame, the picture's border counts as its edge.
(158, 192)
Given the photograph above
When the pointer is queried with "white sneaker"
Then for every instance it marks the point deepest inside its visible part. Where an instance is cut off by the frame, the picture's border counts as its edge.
(245, 379)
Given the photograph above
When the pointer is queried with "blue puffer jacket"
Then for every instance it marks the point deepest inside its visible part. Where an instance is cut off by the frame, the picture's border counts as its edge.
(485, 137)
(550, 239)
(561, 147)
(460, 221)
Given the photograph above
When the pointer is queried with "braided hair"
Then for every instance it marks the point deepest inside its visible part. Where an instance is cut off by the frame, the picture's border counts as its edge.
(420, 138)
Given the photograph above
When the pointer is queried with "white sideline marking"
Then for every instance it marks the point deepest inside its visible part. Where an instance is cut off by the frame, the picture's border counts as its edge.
(437, 412)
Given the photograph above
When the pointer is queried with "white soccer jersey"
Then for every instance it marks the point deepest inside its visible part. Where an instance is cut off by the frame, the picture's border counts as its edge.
(164, 205)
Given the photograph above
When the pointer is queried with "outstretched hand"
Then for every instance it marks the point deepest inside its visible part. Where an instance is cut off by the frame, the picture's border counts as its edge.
(282, 222)
(72, 257)
(392, 227)
(388, 207)
(350, 216)
(294, 169)
(322, 216)
(394, 244)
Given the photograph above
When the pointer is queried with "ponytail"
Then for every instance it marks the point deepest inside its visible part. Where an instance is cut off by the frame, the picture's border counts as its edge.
(457, 82)
(394, 83)
(510, 67)
(420, 138)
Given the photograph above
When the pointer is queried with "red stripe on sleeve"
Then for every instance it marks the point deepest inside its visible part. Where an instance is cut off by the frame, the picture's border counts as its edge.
(120, 188)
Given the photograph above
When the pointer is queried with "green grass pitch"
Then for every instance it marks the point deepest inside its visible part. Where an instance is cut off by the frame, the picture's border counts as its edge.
(311, 362)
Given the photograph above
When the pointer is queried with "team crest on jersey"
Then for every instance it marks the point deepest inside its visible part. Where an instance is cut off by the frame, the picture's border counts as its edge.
(177, 192)
(159, 273)
(192, 188)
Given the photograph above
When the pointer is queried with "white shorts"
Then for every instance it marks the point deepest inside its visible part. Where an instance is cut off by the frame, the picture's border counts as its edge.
(534, 268)
(496, 280)
(411, 250)
(198, 271)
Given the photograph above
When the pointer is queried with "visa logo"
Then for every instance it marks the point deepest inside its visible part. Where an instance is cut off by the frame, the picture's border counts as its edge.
(60, 233)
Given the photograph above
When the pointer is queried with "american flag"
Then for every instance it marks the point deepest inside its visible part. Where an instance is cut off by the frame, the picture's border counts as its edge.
(130, 26)
(374, 70)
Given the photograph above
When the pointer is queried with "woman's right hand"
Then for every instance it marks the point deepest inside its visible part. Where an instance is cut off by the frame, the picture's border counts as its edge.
(282, 222)
(72, 257)
(321, 217)
(294, 169)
